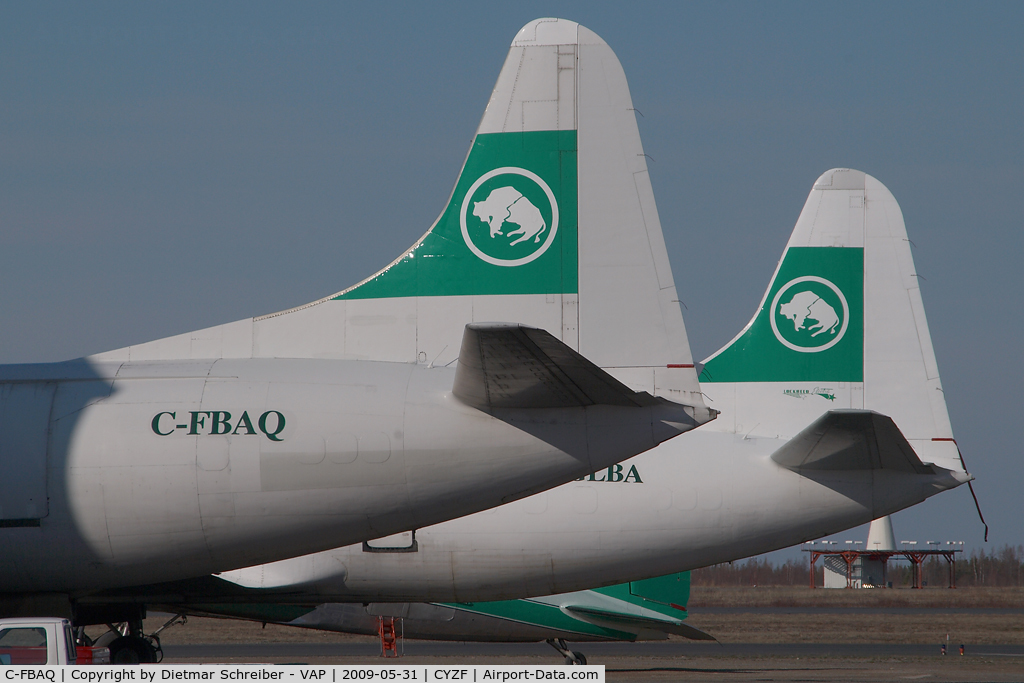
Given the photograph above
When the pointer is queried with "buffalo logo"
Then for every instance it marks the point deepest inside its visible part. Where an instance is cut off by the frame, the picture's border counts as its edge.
(508, 205)
(509, 217)
(809, 314)
(807, 304)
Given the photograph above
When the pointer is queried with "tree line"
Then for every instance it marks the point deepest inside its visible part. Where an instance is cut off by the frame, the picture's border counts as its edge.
(998, 567)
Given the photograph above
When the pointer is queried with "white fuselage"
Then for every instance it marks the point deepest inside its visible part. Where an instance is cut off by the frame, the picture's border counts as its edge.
(711, 496)
(140, 472)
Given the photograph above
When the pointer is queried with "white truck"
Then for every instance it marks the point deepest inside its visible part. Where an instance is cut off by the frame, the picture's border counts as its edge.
(45, 641)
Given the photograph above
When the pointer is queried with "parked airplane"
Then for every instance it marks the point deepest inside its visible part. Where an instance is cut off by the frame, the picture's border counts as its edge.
(832, 415)
(640, 610)
(348, 418)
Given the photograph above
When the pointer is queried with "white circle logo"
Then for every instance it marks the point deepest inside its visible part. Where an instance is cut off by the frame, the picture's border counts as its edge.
(809, 314)
(509, 216)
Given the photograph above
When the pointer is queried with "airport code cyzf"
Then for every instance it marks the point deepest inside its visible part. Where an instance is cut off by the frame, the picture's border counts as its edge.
(298, 673)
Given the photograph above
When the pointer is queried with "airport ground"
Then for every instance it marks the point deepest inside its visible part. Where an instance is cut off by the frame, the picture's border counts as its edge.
(765, 634)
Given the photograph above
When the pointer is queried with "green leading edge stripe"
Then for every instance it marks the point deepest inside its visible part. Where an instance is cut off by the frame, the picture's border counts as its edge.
(499, 233)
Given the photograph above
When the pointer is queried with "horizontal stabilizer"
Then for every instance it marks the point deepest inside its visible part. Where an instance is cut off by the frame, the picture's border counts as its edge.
(851, 440)
(507, 365)
(674, 627)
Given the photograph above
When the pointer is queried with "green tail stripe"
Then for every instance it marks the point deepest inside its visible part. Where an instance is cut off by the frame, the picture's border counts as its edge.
(810, 327)
(657, 594)
(501, 233)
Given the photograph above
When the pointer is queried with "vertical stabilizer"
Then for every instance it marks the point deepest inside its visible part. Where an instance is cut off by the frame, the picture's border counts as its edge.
(551, 224)
(842, 325)
(880, 535)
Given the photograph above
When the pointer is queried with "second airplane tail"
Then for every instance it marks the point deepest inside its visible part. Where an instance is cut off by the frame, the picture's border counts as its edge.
(841, 326)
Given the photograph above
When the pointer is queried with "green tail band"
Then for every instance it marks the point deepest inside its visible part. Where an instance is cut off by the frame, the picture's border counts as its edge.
(509, 227)
(810, 326)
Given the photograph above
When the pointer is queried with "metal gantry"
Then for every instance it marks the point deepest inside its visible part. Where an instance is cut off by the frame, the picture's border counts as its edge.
(914, 556)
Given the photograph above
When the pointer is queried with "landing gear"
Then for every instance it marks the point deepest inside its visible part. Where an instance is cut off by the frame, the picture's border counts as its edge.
(132, 650)
(129, 645)
(572, 657)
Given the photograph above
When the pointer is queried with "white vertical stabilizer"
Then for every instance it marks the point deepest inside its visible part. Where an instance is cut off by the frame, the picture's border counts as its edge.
(880, 534)
(552, 224)
(841, 326)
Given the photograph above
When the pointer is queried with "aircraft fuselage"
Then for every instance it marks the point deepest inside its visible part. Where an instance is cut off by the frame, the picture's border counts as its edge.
(127, 473)
(712, 496)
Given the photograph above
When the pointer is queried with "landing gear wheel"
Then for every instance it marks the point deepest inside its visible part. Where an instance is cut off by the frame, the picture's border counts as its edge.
(571, 656)
(132, 650)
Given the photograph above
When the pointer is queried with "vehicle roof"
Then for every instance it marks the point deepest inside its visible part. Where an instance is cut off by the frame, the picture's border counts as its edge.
(32, 620)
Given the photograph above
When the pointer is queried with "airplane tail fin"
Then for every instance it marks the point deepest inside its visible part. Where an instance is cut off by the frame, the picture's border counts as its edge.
(657, 604)
(672, 590)
(551, 224)
(841, 326)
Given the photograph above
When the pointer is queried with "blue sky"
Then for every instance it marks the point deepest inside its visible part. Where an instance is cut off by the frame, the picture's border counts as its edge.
(166, 167)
